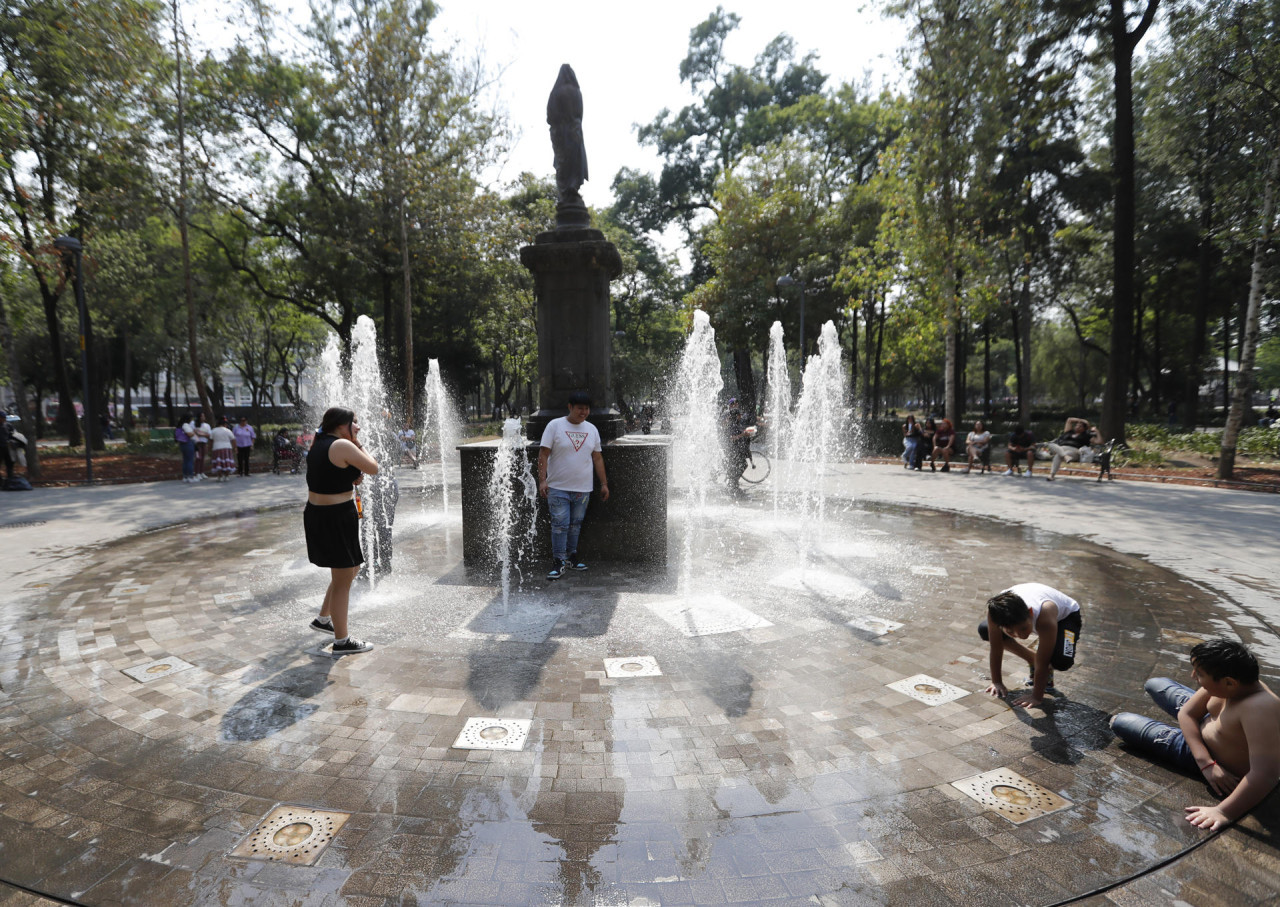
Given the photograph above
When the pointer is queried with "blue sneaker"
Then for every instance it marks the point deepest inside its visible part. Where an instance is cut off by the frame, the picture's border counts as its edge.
(557, 570)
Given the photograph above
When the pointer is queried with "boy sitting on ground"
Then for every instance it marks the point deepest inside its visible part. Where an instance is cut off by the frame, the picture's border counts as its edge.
(1018, 612)
(1228, 730)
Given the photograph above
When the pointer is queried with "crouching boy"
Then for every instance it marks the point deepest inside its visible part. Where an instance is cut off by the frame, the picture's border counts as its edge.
(1228, 730)
(1017, 613)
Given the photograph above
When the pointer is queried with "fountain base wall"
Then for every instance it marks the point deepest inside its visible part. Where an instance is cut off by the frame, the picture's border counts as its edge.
(630, 527)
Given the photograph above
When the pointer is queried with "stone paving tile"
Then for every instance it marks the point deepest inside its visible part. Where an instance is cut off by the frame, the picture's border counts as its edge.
(761, 767)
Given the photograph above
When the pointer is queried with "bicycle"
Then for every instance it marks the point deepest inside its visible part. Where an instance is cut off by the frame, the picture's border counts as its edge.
(757, 466)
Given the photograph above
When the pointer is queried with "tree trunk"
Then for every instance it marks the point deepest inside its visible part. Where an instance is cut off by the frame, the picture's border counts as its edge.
(128, 421)
(1204, 292)
(1242, 400)
(29, 422)
(408, 389)
(188, 289)
(1123, 42)
(986, 371)
(66, 420)
(746, 379)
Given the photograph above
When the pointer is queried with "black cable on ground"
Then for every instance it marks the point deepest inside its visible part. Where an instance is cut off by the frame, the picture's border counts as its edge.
(41, 894)
(1111, 886)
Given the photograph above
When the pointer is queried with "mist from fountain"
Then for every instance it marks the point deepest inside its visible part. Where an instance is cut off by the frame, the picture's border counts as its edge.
(694, 403)
(440, 429)
(366, 396)
(777, 409)
(820, 433)
(513, 501)
(330, 386)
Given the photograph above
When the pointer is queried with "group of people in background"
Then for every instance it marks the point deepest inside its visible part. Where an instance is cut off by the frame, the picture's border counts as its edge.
(214, 453)
(936, 439)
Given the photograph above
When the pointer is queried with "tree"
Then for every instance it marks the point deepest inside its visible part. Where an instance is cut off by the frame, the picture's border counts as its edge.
(1123, 42)
(80, 133)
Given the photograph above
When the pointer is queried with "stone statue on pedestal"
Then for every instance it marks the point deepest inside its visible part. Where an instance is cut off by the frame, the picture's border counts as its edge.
(564, 116)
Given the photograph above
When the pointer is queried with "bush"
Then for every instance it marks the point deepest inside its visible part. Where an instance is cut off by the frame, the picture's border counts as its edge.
(1136, 456)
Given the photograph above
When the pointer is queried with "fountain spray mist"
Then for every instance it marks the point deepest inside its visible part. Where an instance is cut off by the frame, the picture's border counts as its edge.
(696, 439)
(440, 429)
(819, 435)
(513, 500)
(777, 405)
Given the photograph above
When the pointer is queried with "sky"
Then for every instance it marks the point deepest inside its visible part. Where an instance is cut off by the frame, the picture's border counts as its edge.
(627, 59)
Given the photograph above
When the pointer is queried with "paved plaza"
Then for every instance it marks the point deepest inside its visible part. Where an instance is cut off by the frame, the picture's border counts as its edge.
(795, 718)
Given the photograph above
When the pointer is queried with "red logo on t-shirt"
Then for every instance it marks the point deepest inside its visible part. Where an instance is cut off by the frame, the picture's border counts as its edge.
(576, 438)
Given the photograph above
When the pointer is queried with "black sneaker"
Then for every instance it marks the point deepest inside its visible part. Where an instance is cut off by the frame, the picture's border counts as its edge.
(556, 571)
(351, 646)
(317, 624)
(1031, 681)
(576, 563)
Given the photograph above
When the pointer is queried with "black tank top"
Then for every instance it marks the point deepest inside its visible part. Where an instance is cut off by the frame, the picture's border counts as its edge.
(322, 476)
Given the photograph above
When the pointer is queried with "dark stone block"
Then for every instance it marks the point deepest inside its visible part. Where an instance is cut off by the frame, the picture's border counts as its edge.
(631, 527)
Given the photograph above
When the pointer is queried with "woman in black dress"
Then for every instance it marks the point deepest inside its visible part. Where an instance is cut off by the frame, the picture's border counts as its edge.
(336, 463)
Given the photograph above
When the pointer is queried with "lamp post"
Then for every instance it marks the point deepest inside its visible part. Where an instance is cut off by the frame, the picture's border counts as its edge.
(71, 248)
(786, 280)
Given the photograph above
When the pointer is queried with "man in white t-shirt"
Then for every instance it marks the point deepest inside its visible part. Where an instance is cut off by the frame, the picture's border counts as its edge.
(203, 433)
(1018, 612)
(567, 455)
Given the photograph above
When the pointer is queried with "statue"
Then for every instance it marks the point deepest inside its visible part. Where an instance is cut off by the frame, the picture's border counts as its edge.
(564, 116)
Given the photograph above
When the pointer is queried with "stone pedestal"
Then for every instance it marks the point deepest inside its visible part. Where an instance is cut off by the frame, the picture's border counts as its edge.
(630, 527)
(572, 268)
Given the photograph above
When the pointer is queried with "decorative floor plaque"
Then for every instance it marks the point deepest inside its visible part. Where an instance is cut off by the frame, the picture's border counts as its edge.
(291, 834)
(877, 625)
(494, 734)
(127, 588)
(928, 690)
(638, 666)
(1016, 798)
(157, 670)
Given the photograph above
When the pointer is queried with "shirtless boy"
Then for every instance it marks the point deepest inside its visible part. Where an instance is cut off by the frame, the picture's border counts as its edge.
(1228, 730)
(1018, 612)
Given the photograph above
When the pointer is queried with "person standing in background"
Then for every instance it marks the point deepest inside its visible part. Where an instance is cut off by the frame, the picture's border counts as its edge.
(245, 436)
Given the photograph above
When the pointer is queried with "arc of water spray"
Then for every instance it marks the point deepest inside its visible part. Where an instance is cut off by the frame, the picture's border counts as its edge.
(439, 424)
(778, 397)
(697, 429)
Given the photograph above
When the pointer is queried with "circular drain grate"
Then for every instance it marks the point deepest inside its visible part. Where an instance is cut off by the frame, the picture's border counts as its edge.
(159, 669)
(632, 666)
(496, 732)
(1014, 795)
(291, 836)
(928, 689)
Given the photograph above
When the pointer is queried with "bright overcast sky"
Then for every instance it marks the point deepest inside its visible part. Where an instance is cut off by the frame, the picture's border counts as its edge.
(627, 59)
(626, 56)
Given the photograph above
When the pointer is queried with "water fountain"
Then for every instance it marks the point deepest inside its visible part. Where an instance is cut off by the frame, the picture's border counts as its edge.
(819, 434)
(440, 429)
(777, 405)
(694, 403)
(513, 498)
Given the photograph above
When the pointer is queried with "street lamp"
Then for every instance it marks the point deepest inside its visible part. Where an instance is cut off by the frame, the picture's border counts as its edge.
(71, 248)
(786, 280)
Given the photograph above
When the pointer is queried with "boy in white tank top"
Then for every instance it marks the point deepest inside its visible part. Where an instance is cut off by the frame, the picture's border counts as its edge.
(1017, 613)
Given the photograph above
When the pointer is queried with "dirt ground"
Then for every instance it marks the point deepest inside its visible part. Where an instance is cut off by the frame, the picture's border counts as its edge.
(121, 469)
(115, 468)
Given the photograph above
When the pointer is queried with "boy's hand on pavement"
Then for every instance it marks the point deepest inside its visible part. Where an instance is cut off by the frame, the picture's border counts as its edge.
(1221, 781)
(1027, 700)
(1210, 818)
(997, 689)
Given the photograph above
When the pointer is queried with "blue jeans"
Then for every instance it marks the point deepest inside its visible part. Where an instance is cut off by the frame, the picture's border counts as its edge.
(909, 451)
(1152, 738)
(188, 458)
(567, 510)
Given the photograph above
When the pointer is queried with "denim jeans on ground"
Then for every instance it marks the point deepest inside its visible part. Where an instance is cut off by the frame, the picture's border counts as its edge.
(188, 458)
(1154, 738)
(567, 510)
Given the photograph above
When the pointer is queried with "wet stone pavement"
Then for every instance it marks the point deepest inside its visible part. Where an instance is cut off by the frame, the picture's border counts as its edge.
(751, 750)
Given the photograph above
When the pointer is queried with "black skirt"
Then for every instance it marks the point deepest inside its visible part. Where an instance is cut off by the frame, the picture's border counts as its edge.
(333, 534)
